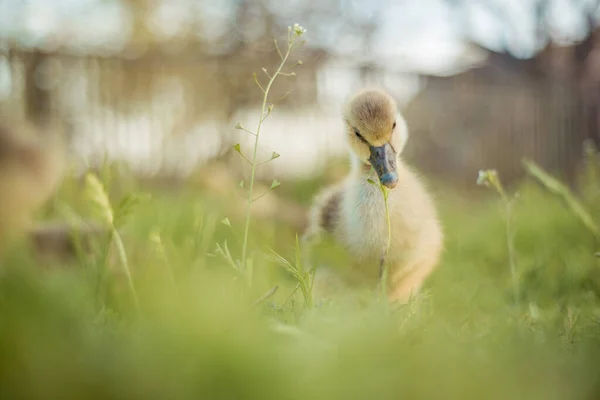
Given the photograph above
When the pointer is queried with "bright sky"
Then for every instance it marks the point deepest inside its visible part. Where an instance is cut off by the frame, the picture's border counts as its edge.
(421, 34)
(414, 35)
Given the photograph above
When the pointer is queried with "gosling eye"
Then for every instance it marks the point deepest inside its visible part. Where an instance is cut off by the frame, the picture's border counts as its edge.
(394, 126)
(359, 136)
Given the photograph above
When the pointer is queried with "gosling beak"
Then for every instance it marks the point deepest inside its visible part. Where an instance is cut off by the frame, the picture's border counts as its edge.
(383, 160)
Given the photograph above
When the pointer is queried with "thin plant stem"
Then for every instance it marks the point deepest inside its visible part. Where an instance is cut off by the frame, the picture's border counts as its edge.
(490, 179)
(100, 197)
(509, 240)
(255, 151)
(123, 257)
(265, 296)
(511, 250)
(383, 270)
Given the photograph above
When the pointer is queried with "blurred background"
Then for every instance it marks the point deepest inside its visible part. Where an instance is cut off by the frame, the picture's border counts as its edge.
(161, 84)
(157, 87)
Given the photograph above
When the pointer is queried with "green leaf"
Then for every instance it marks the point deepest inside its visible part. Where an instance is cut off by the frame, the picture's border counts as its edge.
(226, 222)
(275, 155)
(127, 206)
(226, 254)
(237, 148)
(239, 126)
(371, 181)
(97, 194)
(297, 255)
(285, 264)
(558, 188)
(275, 184)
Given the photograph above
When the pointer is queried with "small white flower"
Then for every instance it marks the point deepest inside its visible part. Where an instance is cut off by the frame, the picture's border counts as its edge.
(488, 177)
(482, 177)
(298, 30)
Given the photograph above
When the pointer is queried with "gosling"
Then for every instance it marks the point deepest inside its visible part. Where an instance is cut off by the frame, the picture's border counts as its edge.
(353, 212)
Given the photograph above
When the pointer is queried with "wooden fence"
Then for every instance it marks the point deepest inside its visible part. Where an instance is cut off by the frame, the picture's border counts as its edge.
(171, 115)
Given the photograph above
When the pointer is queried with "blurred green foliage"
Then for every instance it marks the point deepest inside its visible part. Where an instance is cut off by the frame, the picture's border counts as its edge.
(65, 333)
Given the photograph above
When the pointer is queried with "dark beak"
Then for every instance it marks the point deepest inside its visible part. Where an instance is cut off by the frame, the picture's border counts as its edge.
(383, 160)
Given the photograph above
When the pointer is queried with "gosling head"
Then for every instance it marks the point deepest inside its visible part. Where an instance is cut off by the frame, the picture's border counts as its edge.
(376, 133)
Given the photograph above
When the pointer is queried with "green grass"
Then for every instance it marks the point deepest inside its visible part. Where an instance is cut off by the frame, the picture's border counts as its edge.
(65, 334)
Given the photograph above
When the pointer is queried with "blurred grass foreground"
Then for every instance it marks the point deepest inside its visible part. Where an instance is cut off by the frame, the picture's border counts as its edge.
(74, 332)
(72, 329)
(148, 298)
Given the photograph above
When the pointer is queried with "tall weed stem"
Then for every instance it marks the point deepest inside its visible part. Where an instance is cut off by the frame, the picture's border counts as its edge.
(293, 34)
(490, 179)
